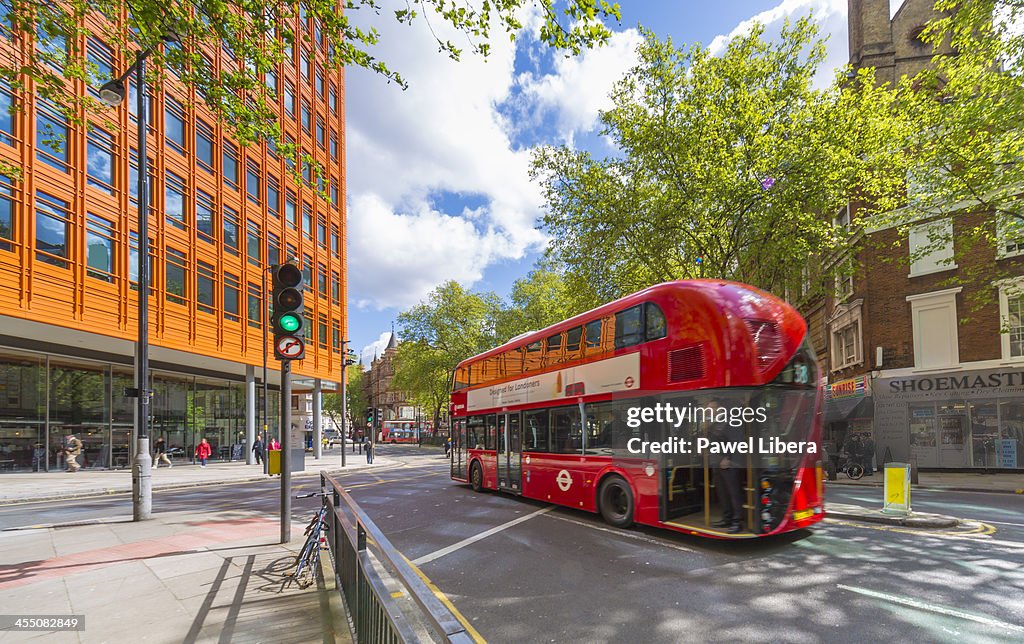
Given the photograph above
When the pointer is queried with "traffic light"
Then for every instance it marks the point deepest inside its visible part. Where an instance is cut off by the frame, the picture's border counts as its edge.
(288, 313)
(369, 416)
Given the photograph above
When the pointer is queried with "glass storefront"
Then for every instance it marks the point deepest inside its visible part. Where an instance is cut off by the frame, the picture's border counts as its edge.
(45, 399)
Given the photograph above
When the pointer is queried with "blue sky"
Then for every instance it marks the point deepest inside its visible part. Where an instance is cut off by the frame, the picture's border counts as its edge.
(437, 184)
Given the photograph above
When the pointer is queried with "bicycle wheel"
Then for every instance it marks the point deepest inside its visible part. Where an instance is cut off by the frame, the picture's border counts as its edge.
(855, 471)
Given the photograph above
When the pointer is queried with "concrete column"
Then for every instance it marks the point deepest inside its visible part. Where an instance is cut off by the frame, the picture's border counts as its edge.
(318, 413)
(250, 413)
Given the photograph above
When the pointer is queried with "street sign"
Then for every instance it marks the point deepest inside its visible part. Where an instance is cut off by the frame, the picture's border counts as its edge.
(290, 347)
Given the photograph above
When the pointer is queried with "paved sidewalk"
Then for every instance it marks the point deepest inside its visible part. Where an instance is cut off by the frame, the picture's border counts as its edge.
(957, 481)
(180, 577)
(49, 486)
(872, 515)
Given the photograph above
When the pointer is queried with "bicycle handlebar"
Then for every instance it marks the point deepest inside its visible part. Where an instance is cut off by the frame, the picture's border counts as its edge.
(311, 494)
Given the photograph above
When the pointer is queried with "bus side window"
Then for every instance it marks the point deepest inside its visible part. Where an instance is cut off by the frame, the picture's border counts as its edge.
(491, 440)
(573, 342)
(629, 330)
(513, 360)
(475, 427)
(554, 354)
(566, 430)
(592, 336)
(535, 431)
(655, 321)
(534, 355)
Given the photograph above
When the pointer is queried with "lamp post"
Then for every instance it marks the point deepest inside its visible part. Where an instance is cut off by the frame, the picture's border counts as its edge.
(347, 361)
(112, 93)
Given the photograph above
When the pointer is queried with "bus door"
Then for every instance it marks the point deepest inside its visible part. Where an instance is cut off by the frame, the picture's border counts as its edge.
(510, 451)
(458, 469)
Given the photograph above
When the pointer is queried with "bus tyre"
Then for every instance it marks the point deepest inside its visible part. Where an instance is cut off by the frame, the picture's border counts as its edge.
(615, 501)
(476, 477)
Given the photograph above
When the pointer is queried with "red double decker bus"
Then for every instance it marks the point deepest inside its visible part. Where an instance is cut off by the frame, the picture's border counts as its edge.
(636, 409)
(399, 431)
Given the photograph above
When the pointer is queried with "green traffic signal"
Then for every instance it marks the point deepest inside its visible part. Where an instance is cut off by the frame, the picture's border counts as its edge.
(289, 322)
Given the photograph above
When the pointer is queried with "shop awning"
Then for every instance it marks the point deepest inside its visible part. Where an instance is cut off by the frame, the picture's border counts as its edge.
(837, 409)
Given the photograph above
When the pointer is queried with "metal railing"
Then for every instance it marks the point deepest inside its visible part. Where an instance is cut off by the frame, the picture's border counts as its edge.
(377, 584)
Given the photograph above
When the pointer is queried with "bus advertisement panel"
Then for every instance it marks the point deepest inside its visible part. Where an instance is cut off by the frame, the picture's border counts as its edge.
(693, 406)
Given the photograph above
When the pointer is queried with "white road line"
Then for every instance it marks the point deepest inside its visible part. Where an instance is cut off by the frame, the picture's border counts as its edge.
(483, 535)
(623, 533)
(943, 610)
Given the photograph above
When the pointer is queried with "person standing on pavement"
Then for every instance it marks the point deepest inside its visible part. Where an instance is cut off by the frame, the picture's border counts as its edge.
(72, 452)
(203, 451)
(161, 454)
(257, 449)
(369, 452)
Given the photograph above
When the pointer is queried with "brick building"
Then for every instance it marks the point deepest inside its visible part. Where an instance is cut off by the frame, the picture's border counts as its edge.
(924, 356)
(379, 389)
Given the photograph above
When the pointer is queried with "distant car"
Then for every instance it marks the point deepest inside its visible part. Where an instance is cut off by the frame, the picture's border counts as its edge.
(176, 451)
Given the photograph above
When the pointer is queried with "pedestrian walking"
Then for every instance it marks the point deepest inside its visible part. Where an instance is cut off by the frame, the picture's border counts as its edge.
(72, 450)
(274, 445)
(369, 453)
(161, 454)
(203, 451)
(257, 449)
(447, 448)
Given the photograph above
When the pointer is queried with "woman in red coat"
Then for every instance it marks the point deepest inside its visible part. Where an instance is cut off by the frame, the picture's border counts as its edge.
(203, 451)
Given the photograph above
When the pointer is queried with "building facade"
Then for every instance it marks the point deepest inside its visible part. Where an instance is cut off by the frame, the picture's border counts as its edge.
(922, 353)
(220, 214)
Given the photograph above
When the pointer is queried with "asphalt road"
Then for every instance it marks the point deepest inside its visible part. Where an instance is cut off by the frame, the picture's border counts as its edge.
(559, 575)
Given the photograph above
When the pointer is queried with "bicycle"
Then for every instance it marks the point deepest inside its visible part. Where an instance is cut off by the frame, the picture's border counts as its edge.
(307, 561)
(853, 469)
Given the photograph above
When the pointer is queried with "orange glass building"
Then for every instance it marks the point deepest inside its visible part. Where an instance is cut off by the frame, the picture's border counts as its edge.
(220, 214)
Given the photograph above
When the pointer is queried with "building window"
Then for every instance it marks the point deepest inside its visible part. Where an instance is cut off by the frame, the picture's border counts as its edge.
(204, 287)
(846, 346)
(335, 335)
(99, 247)
(936, 343)
(289, 99)
(334, 146)
(273, 250)
(51, 49)
(332, 99)
(319, 83)
(133, 110)
(335, 241)
(175, 276)
(273, 196)
(271, 78)
(230, 230)
(230, 165)
(321, 133)
(307, 117)
(321, 232)
(252, 182)
(307, 221)
(321, 280)
(52, 132)
(304, 65)
(844, 280)
(53, 217)
(931, 248)
(7, 212)
(133, 179)
(335, 197)
(204, 146)
(291, 211)
(307, 272)
(174, 200)
(205, 208)
(101, 65)
(252, 245)
(321, 331)
(8, 123)
(1011, 314)
(231, 286)
(335, 287)
(254, 306)
(174, 124)
(100, 161)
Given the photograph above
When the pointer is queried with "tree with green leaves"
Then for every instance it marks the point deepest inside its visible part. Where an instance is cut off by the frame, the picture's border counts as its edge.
(420, 372)
(331, 403)
(259, 35)
(966, 143)
(538, 300)
(450, 325)
(728, 166)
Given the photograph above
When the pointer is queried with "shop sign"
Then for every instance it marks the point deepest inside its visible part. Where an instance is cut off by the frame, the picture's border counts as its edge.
(853, 388)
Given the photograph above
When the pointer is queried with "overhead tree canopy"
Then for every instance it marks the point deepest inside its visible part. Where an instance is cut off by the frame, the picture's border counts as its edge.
(728, 166)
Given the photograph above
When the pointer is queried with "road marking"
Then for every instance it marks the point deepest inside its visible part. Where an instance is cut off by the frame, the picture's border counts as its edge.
(406, 478)
(622, 533)
(437, 554)
(983, 536)
(935, 608)
(447, 602)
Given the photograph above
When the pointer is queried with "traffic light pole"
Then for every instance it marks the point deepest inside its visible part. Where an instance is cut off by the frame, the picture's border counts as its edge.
(286, 470)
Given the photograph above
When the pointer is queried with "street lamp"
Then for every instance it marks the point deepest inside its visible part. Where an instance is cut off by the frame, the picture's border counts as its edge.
(347, 361)
(112, 93)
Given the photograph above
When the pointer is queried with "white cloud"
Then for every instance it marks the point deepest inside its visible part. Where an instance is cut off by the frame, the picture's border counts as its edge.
(830, 16)
(579, 86)
(374, 349)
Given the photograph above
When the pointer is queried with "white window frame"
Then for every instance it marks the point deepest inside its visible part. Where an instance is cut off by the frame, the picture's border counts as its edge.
(1008, 288)
(933, 262)
(929, 301)
(1003, 239)
(845, 317)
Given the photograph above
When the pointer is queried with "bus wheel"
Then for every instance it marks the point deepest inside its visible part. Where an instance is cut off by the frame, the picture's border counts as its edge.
(615, 500)
(476, 477)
